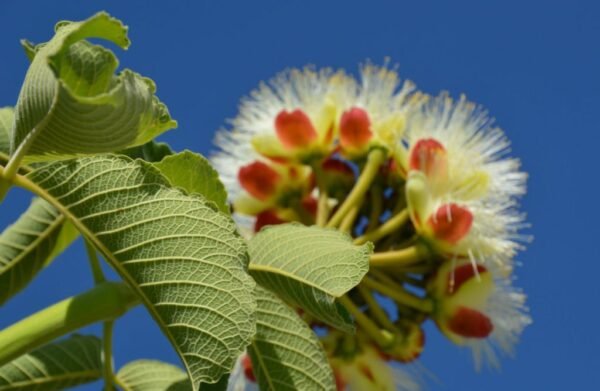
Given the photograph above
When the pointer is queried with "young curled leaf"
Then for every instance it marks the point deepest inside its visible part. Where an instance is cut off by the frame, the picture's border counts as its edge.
(72, 103)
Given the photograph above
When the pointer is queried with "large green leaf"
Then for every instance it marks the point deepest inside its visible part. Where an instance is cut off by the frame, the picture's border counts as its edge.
(285, 353)
(182, 257)
(152, 375)
(72, 102)
(6, 121)
(39, 235)
(309, 267)
(56, 366)
(194, 174)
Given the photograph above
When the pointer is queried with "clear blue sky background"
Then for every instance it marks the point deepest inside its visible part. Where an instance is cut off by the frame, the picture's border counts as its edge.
(533, 64)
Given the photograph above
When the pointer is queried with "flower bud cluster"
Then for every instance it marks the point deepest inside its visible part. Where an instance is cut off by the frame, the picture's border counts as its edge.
(426, 179)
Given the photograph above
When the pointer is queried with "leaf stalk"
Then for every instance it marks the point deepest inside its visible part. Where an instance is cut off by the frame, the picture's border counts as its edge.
(106, 301)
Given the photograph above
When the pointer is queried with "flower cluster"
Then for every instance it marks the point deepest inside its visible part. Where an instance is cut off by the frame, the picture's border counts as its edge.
(426, 179)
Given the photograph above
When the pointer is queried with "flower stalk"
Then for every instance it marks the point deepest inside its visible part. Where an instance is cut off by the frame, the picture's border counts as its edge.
(374, 161)
(385, 229)
(399, 295)
(404, 257)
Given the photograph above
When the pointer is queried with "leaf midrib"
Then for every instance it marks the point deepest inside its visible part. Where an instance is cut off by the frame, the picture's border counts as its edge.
(44, 234)
(27, 184)
(58, 378)
(295, 277)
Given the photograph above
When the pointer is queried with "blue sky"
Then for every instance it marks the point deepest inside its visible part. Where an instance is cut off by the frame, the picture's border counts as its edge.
(533, 64)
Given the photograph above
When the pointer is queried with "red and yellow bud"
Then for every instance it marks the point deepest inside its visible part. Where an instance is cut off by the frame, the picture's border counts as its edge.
(294, 129)
(366, 371)
(355, 131)
(461, 293)
(450, 223)
(444, 225)
(429, 157)
(337, 175)
(247, 367)
(296, 138)
(267, 217)
(259, 179)
(410, 346)
(271, 189)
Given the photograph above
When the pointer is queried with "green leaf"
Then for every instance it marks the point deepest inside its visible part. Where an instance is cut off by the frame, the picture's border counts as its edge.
(72, 103)
(181, 256)
(30, 48)
(7, 116)
(152, 151)
(221, 385)
(194, 174)
(285, 353)
(309, 267)
(56, 366)
(35, 239)
(152, 375)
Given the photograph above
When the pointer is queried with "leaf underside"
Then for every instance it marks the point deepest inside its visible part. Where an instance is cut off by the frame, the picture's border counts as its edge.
(56, 366)
(180, 255)
(285, 353)
(29, 244)
(194, 174)
(152, 375)
(309, 267)
(6, 121)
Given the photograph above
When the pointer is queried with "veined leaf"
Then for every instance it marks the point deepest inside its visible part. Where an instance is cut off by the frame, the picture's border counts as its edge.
(309, 267)
(39, 235)
(194, 174)
(7, 116)
(285, 353)
(152, 375)
(72, 103)
(56, 366)
(182, 257)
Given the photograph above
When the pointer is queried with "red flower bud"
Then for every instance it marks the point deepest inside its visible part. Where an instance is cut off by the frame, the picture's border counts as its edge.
(259, 179)
(428, 156)
(247, 365)
(470, 323)
(355, 129)
(267, 217)
(462, 274)
(294, 129)
(451, 223)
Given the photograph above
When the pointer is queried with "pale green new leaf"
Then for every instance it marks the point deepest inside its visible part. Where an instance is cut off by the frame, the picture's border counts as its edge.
(72, 103)
(309, 267)
(56, 366)
(39, 235)
(182, 257)
(194, 174)
(286, 354)
(152, 375)
(7, 115)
